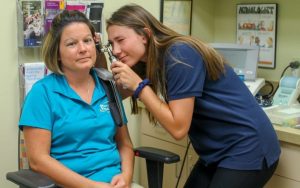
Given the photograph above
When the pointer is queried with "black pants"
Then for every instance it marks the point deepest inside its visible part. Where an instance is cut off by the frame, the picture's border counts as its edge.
(214, 177)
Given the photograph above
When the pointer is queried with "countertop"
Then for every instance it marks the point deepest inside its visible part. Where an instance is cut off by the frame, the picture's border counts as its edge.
(288, 134)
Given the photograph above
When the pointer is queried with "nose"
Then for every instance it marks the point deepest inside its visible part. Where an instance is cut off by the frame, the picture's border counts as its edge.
(82, 47)
(116, 50)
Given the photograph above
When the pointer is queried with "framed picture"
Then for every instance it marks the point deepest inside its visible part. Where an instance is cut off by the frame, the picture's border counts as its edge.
(177, 14)
(256, 25)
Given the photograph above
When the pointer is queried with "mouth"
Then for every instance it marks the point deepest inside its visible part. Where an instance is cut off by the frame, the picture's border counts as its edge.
(84, 59)
(123, 59)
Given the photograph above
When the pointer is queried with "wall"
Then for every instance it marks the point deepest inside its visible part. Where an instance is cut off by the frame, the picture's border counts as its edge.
(203, 19)
(9, 108)
(9, 92)
(213, 20)
(223, 13)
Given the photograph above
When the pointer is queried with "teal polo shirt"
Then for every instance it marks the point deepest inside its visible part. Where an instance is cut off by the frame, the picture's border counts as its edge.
(82, 135)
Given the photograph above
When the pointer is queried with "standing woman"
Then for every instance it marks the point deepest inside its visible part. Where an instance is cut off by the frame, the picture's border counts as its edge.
(190, 90)
(69, 131)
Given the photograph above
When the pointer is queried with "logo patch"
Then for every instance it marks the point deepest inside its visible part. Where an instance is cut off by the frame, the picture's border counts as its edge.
(104, 107)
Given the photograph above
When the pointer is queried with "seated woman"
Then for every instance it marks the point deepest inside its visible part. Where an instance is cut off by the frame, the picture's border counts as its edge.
(69, 131)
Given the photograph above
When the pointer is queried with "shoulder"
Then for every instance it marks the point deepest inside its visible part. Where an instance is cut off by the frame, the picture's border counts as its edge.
(181, 46)
(46, 83)
(183, 53)
(182, 50)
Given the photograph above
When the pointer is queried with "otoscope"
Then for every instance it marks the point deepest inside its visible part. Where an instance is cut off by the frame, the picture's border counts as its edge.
(112, 58)
(106, 48)
(103, 73)
(106, 75)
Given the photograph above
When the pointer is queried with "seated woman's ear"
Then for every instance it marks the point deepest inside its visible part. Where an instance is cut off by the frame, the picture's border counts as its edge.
(101, 60)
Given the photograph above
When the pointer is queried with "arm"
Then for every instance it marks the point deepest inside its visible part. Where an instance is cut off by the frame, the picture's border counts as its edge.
(127, 157)
(171, 116)
(38, 143)
(175, 117)
(125, 93)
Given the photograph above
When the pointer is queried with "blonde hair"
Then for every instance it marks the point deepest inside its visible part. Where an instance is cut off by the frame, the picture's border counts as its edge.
(161, 37)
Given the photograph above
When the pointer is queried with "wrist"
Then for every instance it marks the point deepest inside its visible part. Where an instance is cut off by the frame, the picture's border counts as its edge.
(140, 87)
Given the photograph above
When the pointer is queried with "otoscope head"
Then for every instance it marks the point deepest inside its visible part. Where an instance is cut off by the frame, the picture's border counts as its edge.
(106, 48)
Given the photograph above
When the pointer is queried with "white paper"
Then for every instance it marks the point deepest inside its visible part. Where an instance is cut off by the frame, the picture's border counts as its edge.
(32, 73)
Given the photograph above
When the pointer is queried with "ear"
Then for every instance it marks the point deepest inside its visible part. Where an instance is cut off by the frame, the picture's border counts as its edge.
(147, 36)
(148, 32)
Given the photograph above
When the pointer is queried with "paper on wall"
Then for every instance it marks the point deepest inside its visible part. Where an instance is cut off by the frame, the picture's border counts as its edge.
(32, 72)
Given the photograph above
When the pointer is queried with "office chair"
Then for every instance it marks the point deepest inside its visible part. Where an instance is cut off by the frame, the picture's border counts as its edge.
(155, 159)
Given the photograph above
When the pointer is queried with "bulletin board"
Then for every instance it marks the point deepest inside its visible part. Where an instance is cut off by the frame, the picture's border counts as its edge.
(177, 14)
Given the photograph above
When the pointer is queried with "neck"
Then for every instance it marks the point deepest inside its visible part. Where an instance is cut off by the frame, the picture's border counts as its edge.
(83, 86)
(77, 78)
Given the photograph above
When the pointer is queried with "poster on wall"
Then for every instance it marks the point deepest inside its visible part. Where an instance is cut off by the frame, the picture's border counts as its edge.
(256, 25)
(176, 14)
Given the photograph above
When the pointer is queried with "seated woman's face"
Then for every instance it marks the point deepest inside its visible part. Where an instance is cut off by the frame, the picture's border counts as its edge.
(77, 51)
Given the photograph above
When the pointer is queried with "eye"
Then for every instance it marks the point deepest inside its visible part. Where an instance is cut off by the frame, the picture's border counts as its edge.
(71, 44)
(120, 40)
(89, 40)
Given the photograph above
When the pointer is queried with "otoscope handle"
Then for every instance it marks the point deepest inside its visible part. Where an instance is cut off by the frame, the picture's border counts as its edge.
(106, 48)
(112, 58)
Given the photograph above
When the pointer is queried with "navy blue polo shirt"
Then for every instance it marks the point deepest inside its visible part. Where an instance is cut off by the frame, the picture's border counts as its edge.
(82, 135)
(228, 129)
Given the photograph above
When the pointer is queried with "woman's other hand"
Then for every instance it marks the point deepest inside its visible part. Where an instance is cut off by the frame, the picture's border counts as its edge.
(119, 181)
(125, 76)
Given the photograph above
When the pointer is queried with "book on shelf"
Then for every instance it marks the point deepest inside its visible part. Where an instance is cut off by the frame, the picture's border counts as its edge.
(30, 73)
(33, 22)
(52, 8)
(94, 14)
(91, 8)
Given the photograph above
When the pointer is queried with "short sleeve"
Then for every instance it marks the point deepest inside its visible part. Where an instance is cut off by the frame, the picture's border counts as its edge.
(36, 110)
(185, 72)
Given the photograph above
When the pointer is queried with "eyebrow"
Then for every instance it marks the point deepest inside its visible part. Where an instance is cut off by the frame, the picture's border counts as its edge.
(71, 38)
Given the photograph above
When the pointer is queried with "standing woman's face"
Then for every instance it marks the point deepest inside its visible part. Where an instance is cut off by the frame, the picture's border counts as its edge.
(128, 46)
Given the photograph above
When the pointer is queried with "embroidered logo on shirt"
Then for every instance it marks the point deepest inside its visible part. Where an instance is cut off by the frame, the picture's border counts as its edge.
(104, 107)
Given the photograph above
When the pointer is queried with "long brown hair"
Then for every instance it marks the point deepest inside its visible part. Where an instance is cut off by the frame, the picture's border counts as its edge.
(160, 38)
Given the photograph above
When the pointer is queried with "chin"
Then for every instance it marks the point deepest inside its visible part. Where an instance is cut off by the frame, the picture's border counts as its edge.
(130, 63)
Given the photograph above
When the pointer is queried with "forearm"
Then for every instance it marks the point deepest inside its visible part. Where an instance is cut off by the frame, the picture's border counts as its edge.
(60, 174)
(126, 152)
(127, 156)
(125, 93)
(172, 119)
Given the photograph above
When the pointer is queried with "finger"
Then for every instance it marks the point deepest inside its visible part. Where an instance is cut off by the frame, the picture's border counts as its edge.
(116, 76)
(114, 181)
(117, 64)
(124, 86)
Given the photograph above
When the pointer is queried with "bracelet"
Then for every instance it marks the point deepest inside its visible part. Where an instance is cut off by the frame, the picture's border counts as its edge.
(140, 87)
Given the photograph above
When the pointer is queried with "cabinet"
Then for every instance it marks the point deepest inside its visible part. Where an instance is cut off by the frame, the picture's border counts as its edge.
(155, 136)
(286, 175)
(287, 172)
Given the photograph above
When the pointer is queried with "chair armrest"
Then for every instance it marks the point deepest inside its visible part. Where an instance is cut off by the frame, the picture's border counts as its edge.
(29, 179)
(156, 154)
